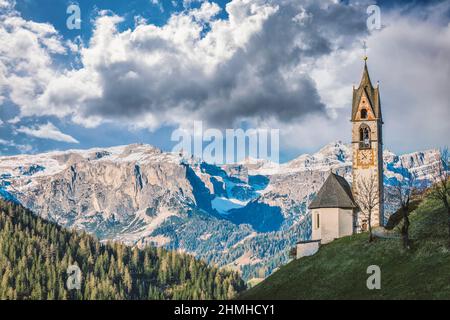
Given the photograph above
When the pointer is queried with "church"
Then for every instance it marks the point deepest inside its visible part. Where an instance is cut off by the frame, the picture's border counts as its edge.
(336, 210)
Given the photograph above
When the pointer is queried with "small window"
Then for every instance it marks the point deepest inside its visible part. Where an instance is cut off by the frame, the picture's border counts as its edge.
(363, 113)
(317, 221)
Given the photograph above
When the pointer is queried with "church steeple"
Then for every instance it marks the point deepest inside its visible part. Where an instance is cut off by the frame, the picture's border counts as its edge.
(367, 141)
(367, 90)
(365, 80)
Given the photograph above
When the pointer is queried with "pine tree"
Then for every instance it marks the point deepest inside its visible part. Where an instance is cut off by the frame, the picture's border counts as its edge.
(35, 255)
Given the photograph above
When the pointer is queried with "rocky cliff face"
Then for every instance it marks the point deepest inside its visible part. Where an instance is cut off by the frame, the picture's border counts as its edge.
(244, 216)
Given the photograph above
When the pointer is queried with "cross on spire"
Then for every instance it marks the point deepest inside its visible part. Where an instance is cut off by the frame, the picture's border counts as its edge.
(365, 50)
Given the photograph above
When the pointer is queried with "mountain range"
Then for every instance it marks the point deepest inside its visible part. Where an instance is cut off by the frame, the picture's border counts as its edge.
(244, 216)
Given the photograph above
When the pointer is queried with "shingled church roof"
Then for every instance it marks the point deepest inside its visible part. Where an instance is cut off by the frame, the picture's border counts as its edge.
(335, 193)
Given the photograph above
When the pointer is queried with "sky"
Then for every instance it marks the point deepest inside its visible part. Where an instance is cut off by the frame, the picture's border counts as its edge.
(137, 70)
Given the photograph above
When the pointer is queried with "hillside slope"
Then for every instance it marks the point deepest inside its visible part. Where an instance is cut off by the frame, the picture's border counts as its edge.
(338, 270)
(35, 255)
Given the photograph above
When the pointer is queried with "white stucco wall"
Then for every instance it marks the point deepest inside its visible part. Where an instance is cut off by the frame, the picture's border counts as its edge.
(328, 228)
(345, 222)
(333, 223)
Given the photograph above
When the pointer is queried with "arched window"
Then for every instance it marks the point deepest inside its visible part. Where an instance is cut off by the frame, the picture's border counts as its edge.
(363, 113)
(364, 137)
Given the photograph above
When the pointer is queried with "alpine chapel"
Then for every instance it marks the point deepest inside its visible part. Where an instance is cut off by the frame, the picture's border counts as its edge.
(335, 212)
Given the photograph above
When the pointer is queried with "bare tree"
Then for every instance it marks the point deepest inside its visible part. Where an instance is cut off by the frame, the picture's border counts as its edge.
(405, 189)
(441, 190)
(367, 198)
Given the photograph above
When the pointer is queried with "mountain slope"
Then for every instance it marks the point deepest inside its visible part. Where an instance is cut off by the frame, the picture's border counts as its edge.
(338, 270)
(244, 216)
(35, 256)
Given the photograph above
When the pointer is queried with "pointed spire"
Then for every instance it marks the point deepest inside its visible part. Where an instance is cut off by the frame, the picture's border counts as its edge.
(365, 80)
(366, 88)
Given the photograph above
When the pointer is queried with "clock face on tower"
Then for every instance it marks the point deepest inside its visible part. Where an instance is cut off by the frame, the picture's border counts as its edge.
(365, 158)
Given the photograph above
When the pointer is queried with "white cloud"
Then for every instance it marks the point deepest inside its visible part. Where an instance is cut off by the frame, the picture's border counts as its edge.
(22, 148)
(6, 4)
(14, 120)
(173, 67)
(26, 51)
(252, 66)
(47, 131)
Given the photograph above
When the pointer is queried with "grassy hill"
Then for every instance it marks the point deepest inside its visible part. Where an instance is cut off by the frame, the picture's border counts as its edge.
(338, 270)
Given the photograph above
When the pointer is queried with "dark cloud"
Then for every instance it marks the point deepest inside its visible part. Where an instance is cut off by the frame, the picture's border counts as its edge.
(258, 81)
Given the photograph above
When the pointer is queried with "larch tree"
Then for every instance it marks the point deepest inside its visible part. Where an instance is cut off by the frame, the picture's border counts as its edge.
(367, 198)
(405, 189)
(441, 189)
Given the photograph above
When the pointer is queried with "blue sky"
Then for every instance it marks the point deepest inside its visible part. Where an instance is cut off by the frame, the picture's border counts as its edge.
(287, 65)
(54, 12)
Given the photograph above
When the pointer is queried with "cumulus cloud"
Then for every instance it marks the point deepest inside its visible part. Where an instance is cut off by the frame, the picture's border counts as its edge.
(253, 66)
(415, 82)
(47, 131)
(26, 50)
(6, 4)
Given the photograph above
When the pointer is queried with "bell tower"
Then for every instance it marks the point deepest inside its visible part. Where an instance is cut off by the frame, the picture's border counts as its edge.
(367, 145)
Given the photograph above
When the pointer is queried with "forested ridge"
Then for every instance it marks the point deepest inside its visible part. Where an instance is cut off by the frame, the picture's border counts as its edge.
(35, 255)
